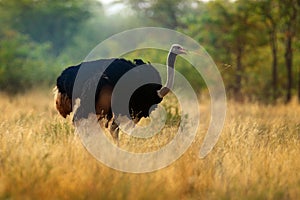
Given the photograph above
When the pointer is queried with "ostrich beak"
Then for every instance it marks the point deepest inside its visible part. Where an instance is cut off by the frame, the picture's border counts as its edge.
(183, 51)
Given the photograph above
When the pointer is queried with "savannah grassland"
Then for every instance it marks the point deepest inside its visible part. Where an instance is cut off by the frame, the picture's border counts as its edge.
(256, 157)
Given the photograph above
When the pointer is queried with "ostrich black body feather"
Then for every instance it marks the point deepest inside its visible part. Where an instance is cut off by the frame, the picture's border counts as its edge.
(141, 101)
(95, 83)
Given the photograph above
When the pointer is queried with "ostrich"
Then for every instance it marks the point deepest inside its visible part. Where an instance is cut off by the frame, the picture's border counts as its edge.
(141, 103)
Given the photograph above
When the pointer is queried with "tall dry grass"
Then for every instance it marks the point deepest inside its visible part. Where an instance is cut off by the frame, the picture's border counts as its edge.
(256, 157)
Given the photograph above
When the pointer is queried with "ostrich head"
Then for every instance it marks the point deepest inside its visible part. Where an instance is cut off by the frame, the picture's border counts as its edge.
(175, 50)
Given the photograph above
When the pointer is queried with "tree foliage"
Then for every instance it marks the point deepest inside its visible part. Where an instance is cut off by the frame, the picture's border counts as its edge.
(33, 33)
(238, 33)
(166, 13)
(21, 64)
(254, 43)
(52, 21)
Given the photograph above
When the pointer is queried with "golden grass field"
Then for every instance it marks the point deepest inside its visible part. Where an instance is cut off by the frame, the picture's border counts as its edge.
(256, 157)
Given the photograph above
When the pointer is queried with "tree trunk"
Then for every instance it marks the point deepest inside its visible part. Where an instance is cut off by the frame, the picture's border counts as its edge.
(274, 64)
(290, 33)
(238, 76)
(297, 12)
(289, 63)
(299, 84)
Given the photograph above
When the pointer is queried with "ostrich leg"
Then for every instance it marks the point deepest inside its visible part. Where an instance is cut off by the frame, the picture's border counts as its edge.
(114, 131)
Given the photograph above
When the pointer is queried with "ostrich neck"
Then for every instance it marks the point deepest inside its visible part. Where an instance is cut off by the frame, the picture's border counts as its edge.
(170, 69)
(170, 77)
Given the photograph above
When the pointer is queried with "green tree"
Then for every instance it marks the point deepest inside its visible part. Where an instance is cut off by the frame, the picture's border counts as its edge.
(230, 30)
(289, 12)
(51, 21)
(167, 13)
(21, 63)
(269, 11)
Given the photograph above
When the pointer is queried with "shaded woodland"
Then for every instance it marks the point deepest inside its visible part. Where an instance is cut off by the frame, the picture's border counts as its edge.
(255, 44)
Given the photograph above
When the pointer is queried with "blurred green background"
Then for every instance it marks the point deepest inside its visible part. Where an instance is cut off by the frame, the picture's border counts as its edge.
(255, 44)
